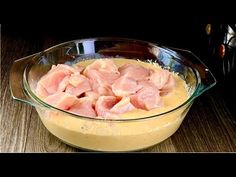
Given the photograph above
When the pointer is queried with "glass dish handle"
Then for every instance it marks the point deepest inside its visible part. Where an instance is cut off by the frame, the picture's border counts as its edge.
(16, 79)
(207, 78)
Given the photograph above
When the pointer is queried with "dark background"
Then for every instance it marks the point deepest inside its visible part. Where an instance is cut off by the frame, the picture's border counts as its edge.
(180, 34)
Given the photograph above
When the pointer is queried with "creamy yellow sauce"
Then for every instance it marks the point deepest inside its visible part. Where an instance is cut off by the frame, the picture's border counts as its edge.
(105, 135)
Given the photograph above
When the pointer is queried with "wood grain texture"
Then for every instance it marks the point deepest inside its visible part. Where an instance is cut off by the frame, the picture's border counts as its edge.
(15, 116)
(210, 126)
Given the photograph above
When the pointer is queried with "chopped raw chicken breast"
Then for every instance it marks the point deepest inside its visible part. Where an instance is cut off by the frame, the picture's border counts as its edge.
(54, 77)
(163, 80)
(66, 68)
(135, 72)
(103, 70)
(83, 107)
(41, 91)
(63, 84)
(125, 86)
(124, 105)
(103, 106)
(78, 84)
(147, 98)
(103, 65)
(61, 100)
(103, 90)
(93, 96)
(103, 78)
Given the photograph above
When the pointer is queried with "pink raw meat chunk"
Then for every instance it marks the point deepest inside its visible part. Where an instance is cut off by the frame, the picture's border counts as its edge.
(93, 96)
(101, 84)
(95, 76)
(52, 80)
(78, 84)
(104, 90)
(170, 84)
(103, 71)
(63, 84)
(147, 83)
(134, 71)
(69, 69)
(103, 65)
(147, 98)
(123, 106)
(125, 86)
(163, 80)
(103, 106)
(61, 100)
(101, 90)
(54, 77)
(41, 91)
(83, 107)
(102, 78)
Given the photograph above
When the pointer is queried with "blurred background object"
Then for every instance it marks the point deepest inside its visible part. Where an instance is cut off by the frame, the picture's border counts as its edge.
(221, 49)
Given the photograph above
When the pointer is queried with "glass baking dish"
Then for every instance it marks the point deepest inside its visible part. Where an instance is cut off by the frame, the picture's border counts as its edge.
(109, 134)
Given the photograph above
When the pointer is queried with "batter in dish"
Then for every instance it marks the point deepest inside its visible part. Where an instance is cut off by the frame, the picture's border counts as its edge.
(106, 135)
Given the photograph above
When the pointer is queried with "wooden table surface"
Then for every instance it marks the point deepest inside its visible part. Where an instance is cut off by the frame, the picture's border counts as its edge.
(210, 125)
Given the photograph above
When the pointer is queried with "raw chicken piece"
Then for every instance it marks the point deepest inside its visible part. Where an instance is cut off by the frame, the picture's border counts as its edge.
(104, 71)
(147, 98)
(83, 107)
(105, 90)
(41, 91)
(101, 90)
(125, 86)
(54, 77)
(163, 79)
(103, 106)
(122, 106)
(93, 96)
(103, 78)
(146, 83)
(101, 84)
(61, 100)
(134, 71)
(76, 79)
(63, 84)
(78, 84)
(170, 84)
(69, 69)
(51, 81)
(96, 76)
(103, 65)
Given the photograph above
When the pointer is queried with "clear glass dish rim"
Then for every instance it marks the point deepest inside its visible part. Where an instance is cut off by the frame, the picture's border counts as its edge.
(40, 102)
